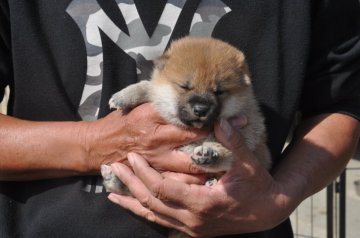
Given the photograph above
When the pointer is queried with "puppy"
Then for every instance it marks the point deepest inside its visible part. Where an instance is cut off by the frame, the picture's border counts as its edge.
(194, 83)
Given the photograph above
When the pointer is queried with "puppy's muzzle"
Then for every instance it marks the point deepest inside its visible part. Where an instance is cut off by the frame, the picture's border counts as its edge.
(199, 111)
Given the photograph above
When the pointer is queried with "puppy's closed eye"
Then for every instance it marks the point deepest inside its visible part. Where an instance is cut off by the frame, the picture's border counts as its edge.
(185, 86)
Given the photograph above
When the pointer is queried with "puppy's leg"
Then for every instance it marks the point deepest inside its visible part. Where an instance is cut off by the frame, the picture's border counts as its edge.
(212, 156)
(131, 96)
(111, 182)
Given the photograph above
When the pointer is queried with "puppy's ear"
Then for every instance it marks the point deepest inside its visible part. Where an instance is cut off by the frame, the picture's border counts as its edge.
(243, 71)
(246, 72)
(161, 61)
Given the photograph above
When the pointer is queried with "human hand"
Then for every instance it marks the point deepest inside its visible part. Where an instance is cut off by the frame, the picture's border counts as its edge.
(245, 199)
(143, 131)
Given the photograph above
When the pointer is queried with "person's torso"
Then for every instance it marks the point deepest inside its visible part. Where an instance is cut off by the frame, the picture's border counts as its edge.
(70, 56)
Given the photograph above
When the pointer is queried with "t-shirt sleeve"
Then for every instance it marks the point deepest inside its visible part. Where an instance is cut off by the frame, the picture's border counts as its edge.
(5, 52)
(333, 79)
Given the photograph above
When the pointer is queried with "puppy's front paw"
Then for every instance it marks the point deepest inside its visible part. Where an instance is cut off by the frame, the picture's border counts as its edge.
(131, 96)
(113, 104)
(117, 101)
(204, 155)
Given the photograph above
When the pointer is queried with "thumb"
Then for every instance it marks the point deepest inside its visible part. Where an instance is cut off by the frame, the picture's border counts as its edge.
(231, 138)
(178, 136)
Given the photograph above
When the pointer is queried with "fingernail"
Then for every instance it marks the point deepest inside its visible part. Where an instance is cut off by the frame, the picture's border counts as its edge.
(114, 168)
(112, 197)
(239, 121)
(226, 127)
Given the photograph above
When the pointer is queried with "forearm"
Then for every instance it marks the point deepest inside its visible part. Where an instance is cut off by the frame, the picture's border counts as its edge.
(36, 150)
(319, 152)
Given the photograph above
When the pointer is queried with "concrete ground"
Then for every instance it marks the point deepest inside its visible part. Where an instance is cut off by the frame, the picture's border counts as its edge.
(309, 220)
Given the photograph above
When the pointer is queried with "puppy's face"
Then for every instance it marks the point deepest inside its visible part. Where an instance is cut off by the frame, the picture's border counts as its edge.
(203, 79)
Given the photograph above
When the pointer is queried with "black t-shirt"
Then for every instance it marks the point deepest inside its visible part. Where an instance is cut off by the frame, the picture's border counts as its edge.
(64, 59)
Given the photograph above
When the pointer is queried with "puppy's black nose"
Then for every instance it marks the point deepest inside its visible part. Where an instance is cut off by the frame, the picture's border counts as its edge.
(200, 109)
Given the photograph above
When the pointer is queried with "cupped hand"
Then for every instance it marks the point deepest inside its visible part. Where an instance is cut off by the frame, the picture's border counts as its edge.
(143, 131)
(245, 199)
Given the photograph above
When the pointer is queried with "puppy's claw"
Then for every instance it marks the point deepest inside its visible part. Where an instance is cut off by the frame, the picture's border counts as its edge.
(113, 104)
(211, 182)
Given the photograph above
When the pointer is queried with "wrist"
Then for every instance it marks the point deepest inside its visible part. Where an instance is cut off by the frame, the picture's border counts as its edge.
(276, 208)
(103, 142)
(291, 189)
(87, 140)
(286, 199)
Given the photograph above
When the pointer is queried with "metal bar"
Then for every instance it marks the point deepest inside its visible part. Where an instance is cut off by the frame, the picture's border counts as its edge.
(297, 221)
(342, 206)
(330, 211)
(312, 215)
(353, 168)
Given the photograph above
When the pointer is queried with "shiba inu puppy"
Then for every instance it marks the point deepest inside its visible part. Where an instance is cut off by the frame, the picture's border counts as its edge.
(194, 83)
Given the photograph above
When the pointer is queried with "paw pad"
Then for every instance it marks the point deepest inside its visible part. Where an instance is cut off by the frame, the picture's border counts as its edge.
(204, 155)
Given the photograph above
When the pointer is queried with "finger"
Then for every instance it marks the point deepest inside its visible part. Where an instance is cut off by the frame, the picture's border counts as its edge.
(136, 187)
(135, 206)
(166, 189)
(228, 136)
(127, 177)
(143, 199)
(234, 141)
(180, 135)
(186, 178)
(178, 161)
(167, 132)
(143, 191)
(238, 121)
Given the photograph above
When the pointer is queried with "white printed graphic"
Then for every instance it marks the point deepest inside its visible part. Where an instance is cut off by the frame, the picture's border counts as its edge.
(92, 20)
